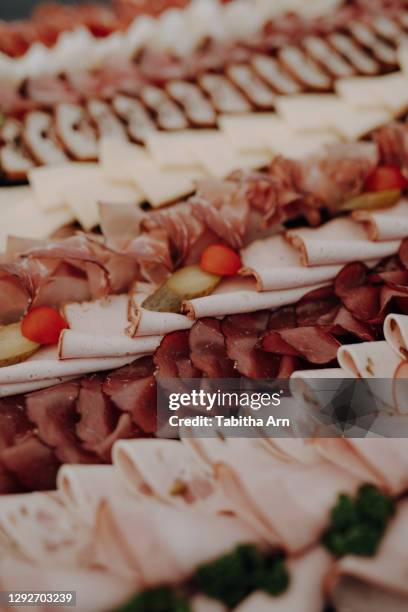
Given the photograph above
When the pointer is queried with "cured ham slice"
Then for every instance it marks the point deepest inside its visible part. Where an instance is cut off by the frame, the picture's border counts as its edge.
(166, 470)
(82, 487)
(105, 316)
(45, 365)
(275, 264)
(396, 334)
(75, 132)
(241, 296)
(290, 519)
(369, 360)
(224, 96)
(338, 242)
(377, 583)
(165, 544)
(305, 591)
(387, 224)
(144, 322)
(96, 590)
(84, 345)
(39, 138)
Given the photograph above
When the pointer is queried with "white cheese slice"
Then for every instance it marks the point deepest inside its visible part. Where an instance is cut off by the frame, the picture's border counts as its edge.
(49, 183)
(389, 92)
(297, 145)
(129, 163)
(172, 150)
(248, 132)
(215, 153)
(24, 219)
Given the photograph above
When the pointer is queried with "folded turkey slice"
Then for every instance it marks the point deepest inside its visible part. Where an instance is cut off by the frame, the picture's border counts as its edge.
(296, 517)
(396, 333)
(45, 365)
(167, 470)
(390, 224)
(305, 592)
(338, 242)
(83, 345)
(276, 264)
(161, 543)
(82, 488)
(378, 583)
(240, 296)
(34, 385)
(96, 590)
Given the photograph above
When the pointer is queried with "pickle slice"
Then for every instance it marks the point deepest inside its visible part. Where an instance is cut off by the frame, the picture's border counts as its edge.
(185, 284)
(373, 200)
(14, 347)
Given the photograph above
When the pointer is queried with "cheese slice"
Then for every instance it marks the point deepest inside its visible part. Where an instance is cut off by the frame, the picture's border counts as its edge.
(297, 145)
(131, 164)
(172, 150)
(24, 219)
(389, 92)
(49, 183)
(249, 132)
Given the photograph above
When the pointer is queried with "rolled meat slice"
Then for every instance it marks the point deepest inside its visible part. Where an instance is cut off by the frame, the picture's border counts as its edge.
(303, 69)
(168, 115)
(247, 80)
(138, 121)
(384, 225)
(305, 591)
(369, 360)
(107, 315)
(241, 296)
(375, 584)
(323, 54)
(196, 106)
(338, 242)
(83, 345)
(364, 63)
(144, 322)
(165, 469)
(108, 125)
(82, 487)
(39, 137)
(290, 519)
(396, 334)
(224, 96)
(364, 35)
(75, 132)
(39, 529)
(96, 590)
(163, 544)
(45, 365)
(275, 264)
(273, 73)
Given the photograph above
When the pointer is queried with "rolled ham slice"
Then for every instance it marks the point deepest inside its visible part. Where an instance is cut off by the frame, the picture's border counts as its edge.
(374, 584)
(368, 360)
(149, 323)
(241, 296)
(82, 345)
(45, 365)
(105, 316)
(396, 334)
(163, 544)
(165, 469)
(82, 487)
(338, 242)
(294, 518)
(275, 264)
(96, 590)
(305, 591)
(389, 224)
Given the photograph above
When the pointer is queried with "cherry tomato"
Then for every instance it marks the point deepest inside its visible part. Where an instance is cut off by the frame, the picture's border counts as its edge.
(43, 325)
(384, 178)
(220, 259)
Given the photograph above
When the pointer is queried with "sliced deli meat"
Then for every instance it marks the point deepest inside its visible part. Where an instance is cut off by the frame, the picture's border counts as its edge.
(369, 360)
(338, 242)
(83, 345)
(396, 333)
(276, 265)
(385, 225)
